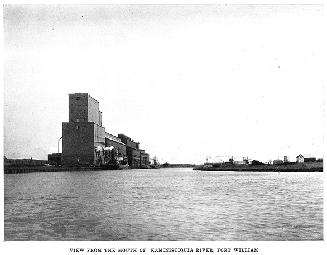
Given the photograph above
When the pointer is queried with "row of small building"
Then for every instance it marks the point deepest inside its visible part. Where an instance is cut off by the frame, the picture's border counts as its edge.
(246, 161)
(299, 159)
(86, 142)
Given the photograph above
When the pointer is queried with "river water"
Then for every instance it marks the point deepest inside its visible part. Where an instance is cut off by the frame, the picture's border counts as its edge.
(163, 204)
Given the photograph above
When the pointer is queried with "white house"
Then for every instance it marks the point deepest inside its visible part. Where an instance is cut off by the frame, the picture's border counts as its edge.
(305, 158)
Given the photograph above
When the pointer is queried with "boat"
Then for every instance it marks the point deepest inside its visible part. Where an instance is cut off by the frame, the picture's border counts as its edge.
(114, 165)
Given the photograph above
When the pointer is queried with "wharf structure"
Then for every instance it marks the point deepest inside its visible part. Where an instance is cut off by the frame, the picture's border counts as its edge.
(86, 142)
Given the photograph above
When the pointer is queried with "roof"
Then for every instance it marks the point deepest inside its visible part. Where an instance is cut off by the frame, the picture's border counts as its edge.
(83, 94)
(305, 156)
(113, 138)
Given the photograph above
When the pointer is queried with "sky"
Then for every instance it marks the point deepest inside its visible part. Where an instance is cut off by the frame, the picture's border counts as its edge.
(188, 82)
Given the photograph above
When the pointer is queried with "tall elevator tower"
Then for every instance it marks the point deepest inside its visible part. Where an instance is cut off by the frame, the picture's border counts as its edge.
(84, 132)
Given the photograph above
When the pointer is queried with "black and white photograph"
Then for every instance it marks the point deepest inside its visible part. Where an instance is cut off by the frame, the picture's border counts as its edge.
(163, 122)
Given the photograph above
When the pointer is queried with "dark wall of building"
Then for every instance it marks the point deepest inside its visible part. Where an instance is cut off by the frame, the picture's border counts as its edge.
(54, 159)
(133, 156)
(78, 143)
(24, 162)
(145, 159)
(136, 158)
(128, 141)
(120, 147)
(78, 107)
(84, 108)
(309, 159)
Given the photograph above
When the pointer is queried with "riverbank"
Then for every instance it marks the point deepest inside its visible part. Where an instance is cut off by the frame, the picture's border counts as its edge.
(31, 169)
(167, 165)
(299, 167)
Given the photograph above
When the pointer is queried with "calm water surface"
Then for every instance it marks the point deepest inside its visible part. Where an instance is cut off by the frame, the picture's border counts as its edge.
(163, 204)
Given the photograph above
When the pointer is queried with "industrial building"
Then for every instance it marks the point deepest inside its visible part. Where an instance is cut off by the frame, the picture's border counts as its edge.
(85, 141)
(137, 158)
(54, 159)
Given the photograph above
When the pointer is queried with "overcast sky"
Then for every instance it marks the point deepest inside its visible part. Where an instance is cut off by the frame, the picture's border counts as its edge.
(187, 82)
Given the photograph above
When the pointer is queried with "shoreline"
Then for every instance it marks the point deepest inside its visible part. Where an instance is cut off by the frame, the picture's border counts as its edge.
(299, 167)
(42, 169)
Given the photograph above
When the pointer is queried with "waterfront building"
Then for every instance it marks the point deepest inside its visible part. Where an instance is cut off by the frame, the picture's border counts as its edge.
(24, 162)
(145, 159)
(54, 159)
(132, 151)
(244, 161)
(305, 158)
(86, 142)
(84, 139)
(136, 158)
